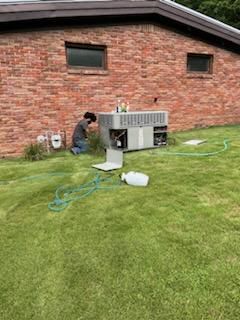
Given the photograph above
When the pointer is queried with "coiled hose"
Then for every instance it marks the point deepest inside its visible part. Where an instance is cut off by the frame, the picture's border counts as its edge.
(65, 195)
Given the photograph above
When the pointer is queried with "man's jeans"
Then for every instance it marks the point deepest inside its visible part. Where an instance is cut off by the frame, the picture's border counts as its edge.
(80, 146)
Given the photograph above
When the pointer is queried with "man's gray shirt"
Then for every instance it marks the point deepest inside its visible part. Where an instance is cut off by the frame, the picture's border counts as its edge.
(80, 130)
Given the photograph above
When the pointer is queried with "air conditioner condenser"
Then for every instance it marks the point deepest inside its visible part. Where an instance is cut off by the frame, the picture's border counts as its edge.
(134, 130)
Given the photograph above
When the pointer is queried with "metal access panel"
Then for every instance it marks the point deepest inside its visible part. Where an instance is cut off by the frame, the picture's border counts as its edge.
(140, 138)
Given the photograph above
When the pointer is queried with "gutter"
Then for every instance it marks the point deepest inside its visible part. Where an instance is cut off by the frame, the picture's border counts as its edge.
(24, 12)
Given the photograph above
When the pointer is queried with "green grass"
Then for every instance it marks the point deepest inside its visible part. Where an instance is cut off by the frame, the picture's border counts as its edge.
(167, 251)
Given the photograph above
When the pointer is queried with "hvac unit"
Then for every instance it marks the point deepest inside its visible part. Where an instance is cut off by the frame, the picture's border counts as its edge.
(133, 130)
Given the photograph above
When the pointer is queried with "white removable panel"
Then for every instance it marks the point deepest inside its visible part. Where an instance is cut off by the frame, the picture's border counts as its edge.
(114, 160)
(194, 142)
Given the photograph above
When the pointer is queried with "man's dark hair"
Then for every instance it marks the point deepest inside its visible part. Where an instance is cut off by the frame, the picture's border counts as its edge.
(91, 116)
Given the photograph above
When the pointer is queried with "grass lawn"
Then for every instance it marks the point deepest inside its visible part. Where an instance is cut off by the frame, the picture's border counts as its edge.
(166, 251)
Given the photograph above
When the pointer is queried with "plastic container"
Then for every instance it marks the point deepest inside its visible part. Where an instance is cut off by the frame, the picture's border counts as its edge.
(135, 178)
(118, 107)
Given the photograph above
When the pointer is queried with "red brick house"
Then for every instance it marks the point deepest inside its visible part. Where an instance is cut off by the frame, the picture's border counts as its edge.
(60, 59)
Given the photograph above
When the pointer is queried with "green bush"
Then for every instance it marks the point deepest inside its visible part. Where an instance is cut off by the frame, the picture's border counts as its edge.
(34, 152)
(95, 142)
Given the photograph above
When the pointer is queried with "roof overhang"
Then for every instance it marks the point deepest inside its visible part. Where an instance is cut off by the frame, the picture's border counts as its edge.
(161, 10)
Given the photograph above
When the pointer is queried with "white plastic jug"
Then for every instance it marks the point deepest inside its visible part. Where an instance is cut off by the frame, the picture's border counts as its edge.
(135, 178)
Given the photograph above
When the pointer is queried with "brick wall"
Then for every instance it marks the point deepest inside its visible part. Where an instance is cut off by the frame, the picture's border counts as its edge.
(38, 92)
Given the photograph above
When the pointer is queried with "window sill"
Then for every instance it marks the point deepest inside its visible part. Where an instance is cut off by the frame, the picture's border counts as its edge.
(87, 71)
(199, 76)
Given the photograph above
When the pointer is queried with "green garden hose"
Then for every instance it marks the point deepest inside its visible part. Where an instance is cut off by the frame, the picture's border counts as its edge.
(65, 195)
(196, 154)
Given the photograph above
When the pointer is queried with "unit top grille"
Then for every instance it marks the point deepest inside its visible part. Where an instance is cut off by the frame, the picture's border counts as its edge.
(133, 119)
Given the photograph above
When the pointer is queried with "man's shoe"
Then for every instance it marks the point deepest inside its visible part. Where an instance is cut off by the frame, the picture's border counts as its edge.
(73, 150)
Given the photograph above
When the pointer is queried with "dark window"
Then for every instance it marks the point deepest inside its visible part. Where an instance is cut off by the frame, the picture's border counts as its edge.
(199, 62)
(86, 56)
